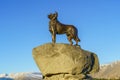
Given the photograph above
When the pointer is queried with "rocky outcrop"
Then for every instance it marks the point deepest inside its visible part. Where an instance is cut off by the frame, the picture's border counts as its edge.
(64, 62)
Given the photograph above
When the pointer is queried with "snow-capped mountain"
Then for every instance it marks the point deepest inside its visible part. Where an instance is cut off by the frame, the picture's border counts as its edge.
(21, 76)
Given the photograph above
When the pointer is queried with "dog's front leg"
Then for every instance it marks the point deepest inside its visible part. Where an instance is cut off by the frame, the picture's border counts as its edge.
(53, 34)
(54, 37)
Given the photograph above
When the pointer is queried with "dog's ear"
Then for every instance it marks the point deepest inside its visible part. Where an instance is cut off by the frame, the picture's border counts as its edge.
(56, 13)
(55, 16)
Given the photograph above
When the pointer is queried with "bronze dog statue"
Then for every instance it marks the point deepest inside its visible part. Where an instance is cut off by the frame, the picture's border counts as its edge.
(55, 27)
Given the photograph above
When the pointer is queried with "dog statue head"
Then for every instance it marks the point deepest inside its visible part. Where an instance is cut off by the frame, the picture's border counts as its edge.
(53, 16)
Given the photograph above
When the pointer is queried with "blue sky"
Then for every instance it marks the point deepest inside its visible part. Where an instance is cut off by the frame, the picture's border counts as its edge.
(24, 25)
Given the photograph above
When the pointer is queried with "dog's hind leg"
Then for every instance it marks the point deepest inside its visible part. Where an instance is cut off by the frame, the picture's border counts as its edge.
(76, 40)
(70, 40)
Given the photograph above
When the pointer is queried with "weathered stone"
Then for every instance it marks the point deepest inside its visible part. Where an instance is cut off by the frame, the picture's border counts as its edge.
(64, 62)
(65, 77)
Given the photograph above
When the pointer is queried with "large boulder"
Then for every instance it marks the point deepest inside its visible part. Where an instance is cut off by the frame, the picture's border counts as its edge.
(64, 62)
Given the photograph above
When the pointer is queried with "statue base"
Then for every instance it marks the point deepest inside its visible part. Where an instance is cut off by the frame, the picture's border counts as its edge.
(64, 62)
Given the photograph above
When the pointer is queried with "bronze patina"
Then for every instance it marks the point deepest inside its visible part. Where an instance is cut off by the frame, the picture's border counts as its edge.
(56, 27)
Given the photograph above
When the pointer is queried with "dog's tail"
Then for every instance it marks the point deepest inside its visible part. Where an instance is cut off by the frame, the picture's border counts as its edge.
(78, 39)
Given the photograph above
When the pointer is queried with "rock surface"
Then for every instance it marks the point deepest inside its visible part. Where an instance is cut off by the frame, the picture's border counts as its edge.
(64, 62)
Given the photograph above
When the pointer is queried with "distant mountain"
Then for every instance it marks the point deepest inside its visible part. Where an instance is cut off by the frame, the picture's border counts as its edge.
(21, 76)
(109, 71)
